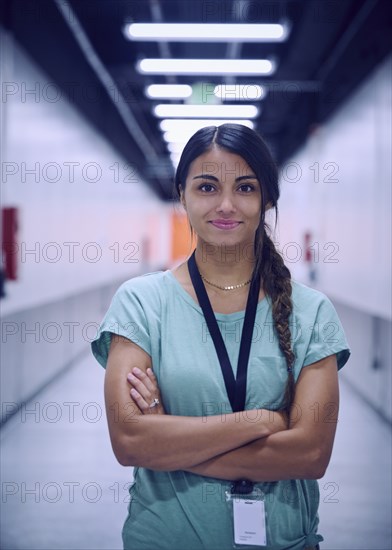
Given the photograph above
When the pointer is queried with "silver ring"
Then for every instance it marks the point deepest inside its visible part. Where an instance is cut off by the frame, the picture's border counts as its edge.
(154, 403)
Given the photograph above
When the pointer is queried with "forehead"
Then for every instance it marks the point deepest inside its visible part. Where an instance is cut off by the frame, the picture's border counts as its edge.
(219, 162)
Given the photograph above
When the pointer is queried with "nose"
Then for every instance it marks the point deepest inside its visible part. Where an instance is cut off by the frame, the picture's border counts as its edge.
(226, 203)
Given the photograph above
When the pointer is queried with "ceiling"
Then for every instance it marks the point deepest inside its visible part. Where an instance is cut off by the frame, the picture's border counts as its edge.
(332, 46)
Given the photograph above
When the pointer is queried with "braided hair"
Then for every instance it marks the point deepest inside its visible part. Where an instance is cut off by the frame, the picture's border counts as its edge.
(277, 284)
(269, 266)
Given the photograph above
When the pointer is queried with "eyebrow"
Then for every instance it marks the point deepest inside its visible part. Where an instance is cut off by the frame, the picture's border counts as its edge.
(214, 178)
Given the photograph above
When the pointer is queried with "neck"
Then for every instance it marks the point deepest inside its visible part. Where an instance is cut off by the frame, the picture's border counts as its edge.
(225, 265)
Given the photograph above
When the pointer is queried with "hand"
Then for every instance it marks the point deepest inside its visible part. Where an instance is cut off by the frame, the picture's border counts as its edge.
(144, 390)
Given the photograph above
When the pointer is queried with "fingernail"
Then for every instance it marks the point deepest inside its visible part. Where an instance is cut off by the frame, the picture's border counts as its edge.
(136, 370)
(130, 376)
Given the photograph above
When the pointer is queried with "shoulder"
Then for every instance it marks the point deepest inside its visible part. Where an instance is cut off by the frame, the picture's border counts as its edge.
(306, 299)
(146, 289)
(318, 330)
(146, 282)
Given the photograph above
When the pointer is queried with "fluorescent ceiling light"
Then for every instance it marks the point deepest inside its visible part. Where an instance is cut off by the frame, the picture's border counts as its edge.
(205, 66)
(175, 158)
(205, 111)
(167, 91)
(178, 136)
(239, 92)
(207, 32)
(175, 124)
(175, 147)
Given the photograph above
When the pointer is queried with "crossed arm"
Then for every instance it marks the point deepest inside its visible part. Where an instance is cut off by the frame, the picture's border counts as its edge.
(270, 448)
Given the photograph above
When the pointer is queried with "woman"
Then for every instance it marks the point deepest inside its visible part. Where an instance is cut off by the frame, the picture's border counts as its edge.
(243, 397)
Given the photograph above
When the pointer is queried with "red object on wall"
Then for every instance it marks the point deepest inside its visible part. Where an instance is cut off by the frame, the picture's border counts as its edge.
(307, 242)
(10, 242)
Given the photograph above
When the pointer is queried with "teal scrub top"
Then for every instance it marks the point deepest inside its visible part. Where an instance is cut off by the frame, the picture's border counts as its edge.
(180, 510)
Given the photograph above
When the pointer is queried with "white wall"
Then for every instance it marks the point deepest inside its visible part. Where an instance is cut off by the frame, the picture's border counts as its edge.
(44, 132)
(354, 211)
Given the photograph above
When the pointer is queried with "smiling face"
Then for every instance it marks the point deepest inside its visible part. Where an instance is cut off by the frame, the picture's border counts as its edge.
(222, 198)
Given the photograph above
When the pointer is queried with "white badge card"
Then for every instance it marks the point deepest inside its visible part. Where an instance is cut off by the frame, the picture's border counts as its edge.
(248, 519)
(249, 522)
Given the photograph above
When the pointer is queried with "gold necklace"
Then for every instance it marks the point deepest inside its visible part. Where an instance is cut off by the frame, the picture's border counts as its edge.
(230, 287)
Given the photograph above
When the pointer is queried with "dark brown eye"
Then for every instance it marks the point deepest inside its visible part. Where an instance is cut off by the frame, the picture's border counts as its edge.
(247, 188)
(207, 187)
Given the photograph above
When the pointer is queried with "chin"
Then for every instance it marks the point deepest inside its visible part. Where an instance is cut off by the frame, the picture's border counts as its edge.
(229, 241)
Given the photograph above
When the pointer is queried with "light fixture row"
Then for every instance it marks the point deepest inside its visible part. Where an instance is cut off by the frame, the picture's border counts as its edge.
(206, 32)
(181, 110)
(229, 92)
(216, 67)
(188, 118)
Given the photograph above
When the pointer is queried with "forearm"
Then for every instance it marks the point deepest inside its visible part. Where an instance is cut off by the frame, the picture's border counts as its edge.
(304, 449)
(284, 455)
(165, 442)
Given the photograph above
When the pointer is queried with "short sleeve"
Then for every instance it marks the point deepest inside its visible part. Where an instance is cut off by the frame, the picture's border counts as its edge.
(126, 317)
(327, 336)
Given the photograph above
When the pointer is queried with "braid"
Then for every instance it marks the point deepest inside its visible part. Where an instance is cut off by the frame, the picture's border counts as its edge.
(277, 284)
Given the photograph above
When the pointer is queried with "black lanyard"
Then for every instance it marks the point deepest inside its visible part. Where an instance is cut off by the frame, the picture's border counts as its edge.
(235, 387)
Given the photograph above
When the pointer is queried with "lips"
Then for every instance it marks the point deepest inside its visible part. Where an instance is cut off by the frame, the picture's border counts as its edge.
(225, 224)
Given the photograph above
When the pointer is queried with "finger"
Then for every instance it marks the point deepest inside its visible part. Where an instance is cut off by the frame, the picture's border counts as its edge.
(144, 378)
(139, 400)
(140, 387)
(152, 377)
(143, 405)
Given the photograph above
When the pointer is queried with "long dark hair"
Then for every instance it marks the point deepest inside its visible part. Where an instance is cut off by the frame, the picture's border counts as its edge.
(275, 276)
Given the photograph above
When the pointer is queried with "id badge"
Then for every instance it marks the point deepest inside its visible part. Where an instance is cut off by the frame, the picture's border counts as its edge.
(249, 518)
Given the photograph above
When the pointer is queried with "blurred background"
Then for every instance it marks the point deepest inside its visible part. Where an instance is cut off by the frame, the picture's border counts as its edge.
(98, 97)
